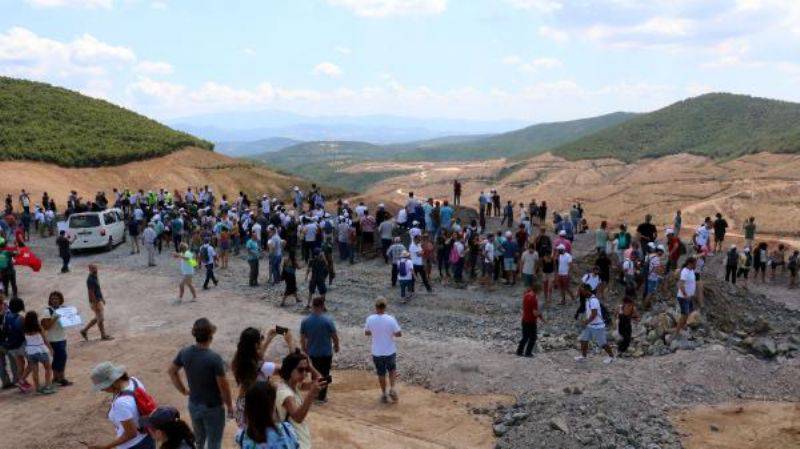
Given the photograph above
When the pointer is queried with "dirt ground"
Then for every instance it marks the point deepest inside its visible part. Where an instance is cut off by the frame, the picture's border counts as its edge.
(747, 425)
(149, 331)
(461, 371)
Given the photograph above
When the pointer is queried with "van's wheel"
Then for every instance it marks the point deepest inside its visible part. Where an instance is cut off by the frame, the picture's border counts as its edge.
(110, 245)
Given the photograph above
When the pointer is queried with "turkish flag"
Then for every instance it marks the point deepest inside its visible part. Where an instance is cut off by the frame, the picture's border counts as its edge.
(25, 257)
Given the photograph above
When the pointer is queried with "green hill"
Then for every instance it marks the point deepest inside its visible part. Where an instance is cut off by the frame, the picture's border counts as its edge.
(523, 142)
(717, 125)
(321, 162)
(41, 122)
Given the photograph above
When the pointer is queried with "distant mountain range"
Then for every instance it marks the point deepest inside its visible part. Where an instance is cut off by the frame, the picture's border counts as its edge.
(716, 125)
(378, 129)
(243, 149)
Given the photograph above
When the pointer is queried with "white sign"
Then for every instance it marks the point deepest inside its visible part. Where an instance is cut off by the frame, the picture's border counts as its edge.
(62, 226)
(69, 316)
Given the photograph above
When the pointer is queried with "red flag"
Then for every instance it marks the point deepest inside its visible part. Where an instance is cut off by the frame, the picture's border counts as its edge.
(25, 257)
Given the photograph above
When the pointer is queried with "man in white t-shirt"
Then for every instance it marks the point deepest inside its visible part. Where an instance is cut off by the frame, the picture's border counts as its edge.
(528, 261)
(405, 274)
(687, 289)
(383, 329)
(564, 261)
(594, 328)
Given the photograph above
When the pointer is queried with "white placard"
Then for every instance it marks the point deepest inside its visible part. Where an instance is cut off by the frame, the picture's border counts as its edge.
(69, 316)
(62, 226)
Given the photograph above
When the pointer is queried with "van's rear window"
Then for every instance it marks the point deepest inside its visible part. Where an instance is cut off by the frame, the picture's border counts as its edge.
(84, 221)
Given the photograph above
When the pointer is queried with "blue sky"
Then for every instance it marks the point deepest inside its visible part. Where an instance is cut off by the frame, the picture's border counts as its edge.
(537, 60)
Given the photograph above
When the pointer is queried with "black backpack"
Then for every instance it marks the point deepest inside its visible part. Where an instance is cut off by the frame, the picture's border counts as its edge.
(606, 315)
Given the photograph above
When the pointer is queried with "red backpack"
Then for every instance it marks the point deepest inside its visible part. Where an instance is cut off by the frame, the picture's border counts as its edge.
(145, 403)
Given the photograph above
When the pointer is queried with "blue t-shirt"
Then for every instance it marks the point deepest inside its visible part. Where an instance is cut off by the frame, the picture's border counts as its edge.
(318, 331)
(445, 215)
(509, 249)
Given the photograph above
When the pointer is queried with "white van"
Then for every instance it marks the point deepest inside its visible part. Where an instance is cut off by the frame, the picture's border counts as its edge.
(97, 229)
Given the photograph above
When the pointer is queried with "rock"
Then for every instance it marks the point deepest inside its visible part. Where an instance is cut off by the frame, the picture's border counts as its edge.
(713, 428)
(499, 430)
(765, 346)
(783, 347)
(681, 343)
(577, 390)
(520, 416)
(560, 424)
(467, 367)
(694, 320)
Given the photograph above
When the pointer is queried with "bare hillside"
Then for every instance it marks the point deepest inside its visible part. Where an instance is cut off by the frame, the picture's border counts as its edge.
(191, 166)
(763, 185)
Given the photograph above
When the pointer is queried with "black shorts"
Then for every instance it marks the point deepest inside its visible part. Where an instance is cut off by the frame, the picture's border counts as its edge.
(320, 287)
(385, 363)
(719, 238)
(368, 237)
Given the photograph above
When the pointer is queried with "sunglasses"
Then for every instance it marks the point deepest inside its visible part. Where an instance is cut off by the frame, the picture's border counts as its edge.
(303, 370)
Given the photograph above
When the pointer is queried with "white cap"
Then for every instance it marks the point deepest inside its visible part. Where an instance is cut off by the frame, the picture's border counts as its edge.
(562, 232)
(296, 188)
(651, 244)
(670, 231)
(561, 247)
(508, 234)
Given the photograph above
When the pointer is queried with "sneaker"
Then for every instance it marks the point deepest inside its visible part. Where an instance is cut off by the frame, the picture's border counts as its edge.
(8, 386)
(45, 390)
(107, 338)
(64, 382)
(85, 335)
(580, 358)
(177, 302)
(393, 395)
(608, 360)
(24, 389)
(384, 399)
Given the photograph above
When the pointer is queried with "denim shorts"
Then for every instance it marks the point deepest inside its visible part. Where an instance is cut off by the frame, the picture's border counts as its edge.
(39, 357)
(652, 285)
(686, 305)
(527, 279)
(509, 264)
(384, 363)
(596, 334)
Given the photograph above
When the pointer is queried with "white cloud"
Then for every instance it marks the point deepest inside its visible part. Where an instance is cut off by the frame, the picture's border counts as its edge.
(328, 69)
(24, 53)
(343, 50)
(249, 51)
(656, 31)
(385, 8)
(155, 68)
(91, 4)
(159, 5)
(545, 6)
(553, 34)
(534, 65)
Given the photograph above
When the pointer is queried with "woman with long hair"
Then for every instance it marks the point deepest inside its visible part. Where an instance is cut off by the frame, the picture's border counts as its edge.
(262, 430)
(248, 364)
(296, 393)
(166, 427)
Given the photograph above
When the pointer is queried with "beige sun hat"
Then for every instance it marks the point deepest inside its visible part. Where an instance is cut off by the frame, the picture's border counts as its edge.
(105, 374)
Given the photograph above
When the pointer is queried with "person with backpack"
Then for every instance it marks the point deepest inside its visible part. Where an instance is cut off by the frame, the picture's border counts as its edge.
(209, 257)
(208, 386)
(14, 342)
(415, 249)
(394, 254)
(130, 403)
(317, 270)
(263, 430)
(166, 427)
(594, 325)
(731, 265)
(405, 274)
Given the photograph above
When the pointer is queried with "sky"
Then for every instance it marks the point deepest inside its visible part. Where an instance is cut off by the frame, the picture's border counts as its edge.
(534, 60)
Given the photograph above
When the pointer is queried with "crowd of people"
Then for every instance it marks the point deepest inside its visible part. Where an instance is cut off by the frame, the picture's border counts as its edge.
(428, 242)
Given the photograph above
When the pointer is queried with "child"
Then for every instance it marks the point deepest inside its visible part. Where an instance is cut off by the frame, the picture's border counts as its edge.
(37, 350)
(626, 314)
(289, 277)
